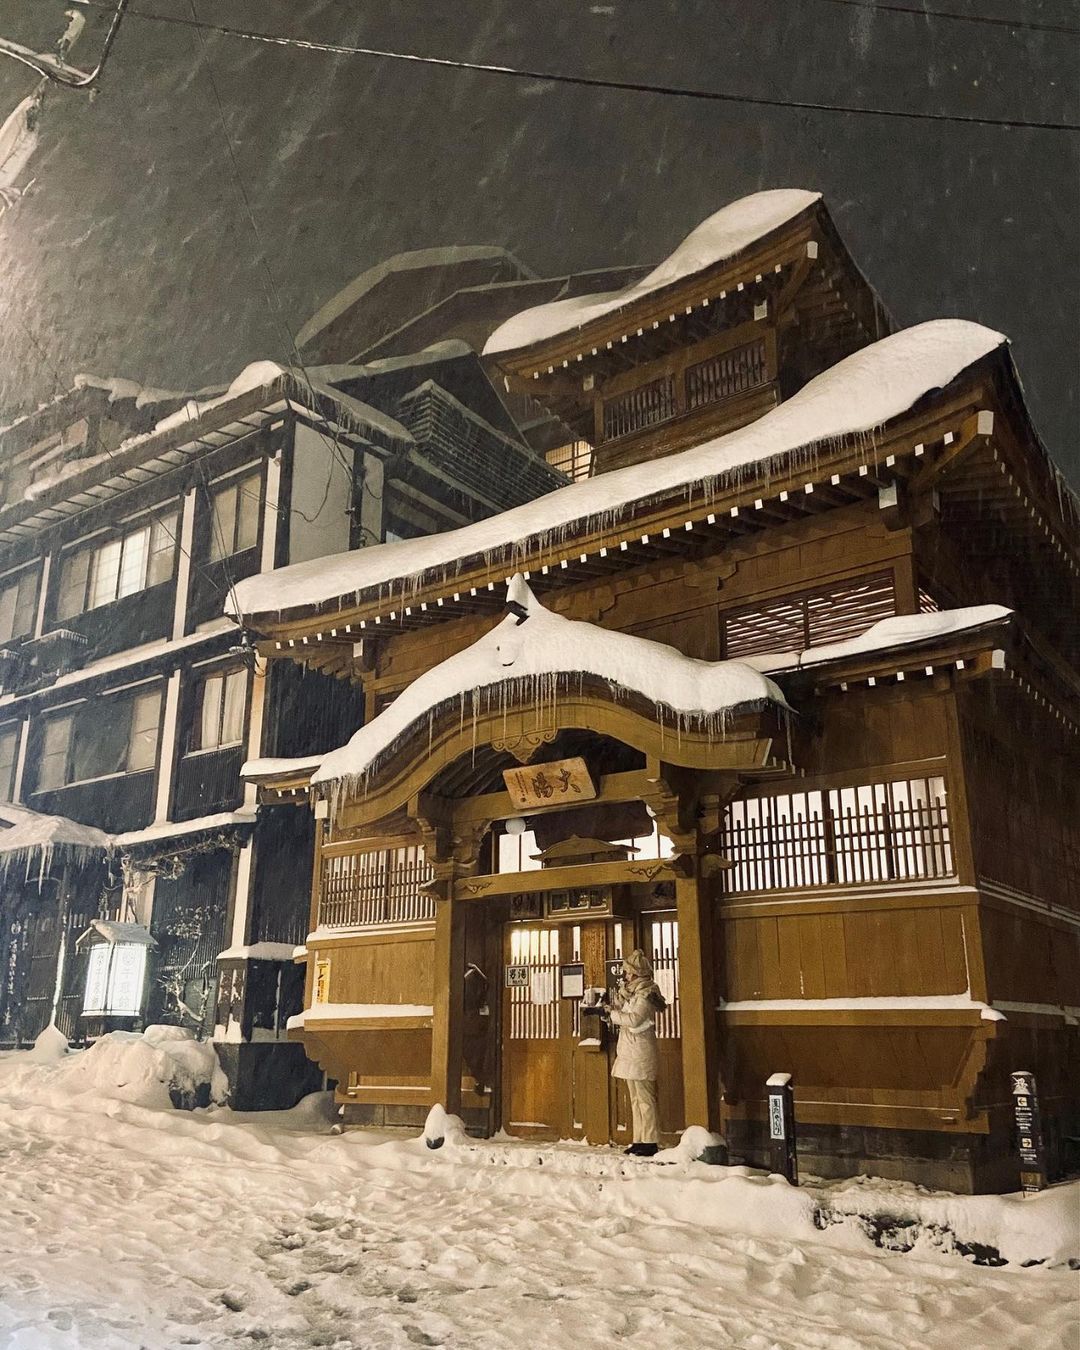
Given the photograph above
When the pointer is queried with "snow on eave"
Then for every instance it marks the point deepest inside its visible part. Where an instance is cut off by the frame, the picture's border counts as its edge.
(901, 630)
(31, 840)
(850, 403)
(717, 239)
(269, 770)
(536, 655)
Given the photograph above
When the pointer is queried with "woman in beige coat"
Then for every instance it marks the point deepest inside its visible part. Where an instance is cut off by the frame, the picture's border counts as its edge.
(633, 1011)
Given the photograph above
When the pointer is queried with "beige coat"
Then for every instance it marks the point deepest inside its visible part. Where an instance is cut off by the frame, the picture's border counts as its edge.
(635, 1015)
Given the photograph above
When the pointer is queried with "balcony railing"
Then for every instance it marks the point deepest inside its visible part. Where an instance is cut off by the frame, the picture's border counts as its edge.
(725, 375)
(875, 833)
(638, 408)
(359, 890)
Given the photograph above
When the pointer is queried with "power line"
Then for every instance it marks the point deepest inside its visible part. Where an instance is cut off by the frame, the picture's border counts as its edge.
(1026, 24)
(597, 82)
(273, 298)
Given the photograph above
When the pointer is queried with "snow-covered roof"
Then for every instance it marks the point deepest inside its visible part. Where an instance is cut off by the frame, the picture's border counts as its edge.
(902, 630)
(727, 232)
(418, 260)
(449, 350)
(541, 654)
(262, 374)
(854, 397)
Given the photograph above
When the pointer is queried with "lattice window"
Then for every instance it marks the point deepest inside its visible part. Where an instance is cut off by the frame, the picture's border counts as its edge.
(849, 836)
(664, 944)
(534, 1007)
(809, 618)
(726, 374)
(638, 408)
(573, 459)
(385, 886)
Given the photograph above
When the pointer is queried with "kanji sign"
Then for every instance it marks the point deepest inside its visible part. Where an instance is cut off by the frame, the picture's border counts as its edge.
(1029, 1139)
(557, 784)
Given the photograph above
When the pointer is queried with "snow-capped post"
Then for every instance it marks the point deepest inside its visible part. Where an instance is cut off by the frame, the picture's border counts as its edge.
(782, 1157)
(1029, 1139)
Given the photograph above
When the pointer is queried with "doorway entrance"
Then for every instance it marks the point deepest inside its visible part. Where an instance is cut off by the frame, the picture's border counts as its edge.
(556, 1058)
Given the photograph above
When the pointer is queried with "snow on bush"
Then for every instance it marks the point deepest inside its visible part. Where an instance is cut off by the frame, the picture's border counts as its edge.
(160, 1068)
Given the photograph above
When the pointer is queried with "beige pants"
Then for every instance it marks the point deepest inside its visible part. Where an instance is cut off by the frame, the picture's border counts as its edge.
(643, 1106)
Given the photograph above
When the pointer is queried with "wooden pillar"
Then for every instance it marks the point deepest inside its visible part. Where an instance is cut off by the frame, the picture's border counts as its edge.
(691, 821)
(448, 1008)
(697, 1003)
(452, 853)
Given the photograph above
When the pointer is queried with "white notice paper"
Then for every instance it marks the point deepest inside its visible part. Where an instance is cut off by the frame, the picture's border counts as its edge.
(542, 987)
(665, 982)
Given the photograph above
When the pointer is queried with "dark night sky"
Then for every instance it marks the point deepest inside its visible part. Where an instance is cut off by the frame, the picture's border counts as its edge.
(134, 254)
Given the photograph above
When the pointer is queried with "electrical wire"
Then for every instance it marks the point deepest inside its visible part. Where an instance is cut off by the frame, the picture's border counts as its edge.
(59, 72)
(597, 82)
(1015, 24)
(273, 297)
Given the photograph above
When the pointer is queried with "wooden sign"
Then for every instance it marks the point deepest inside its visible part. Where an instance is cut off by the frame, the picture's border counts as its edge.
(557, 784)
(517, 977)
(321, 990)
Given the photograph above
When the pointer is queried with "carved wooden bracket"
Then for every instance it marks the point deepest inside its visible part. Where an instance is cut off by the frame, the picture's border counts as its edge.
(525, 746)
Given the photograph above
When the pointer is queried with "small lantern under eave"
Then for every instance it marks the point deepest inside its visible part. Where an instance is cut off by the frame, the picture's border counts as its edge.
(115, 988)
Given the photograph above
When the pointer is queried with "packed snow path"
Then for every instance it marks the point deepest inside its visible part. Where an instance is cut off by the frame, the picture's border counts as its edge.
(127, 1227)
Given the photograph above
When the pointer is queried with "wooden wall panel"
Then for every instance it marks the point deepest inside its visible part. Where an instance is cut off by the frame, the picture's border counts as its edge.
(882, 948)
(381, 971)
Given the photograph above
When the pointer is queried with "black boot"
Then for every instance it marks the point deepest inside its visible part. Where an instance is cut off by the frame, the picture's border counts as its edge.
(646, 1150)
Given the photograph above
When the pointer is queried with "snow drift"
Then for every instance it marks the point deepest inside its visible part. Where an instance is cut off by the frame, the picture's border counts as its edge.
(158, 1068)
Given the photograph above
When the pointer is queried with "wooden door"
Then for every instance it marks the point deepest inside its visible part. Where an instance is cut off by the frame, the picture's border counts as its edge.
(533, 1051)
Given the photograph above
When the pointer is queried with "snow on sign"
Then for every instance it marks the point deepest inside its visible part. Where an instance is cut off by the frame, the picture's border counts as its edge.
(565, 780)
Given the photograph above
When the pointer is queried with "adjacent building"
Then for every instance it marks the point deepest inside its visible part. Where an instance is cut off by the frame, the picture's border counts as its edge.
(142, 880)
(785, 689)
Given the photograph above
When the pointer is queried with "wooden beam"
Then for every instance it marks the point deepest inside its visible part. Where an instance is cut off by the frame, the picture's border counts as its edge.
(973, 432)
(496, 884)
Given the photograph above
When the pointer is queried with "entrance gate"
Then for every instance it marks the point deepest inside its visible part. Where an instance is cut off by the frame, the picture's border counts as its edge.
(556, 1060)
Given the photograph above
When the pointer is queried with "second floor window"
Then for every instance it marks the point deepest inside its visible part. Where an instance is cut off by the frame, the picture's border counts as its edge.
(9, 752)
(234, 523)
(122, 565)
(18, 605)
(220, 703)
(117, 734)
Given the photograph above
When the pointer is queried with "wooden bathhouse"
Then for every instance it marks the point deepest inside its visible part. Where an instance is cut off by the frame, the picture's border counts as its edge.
(783, 689)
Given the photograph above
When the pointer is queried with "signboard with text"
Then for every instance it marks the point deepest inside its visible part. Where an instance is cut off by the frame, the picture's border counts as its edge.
(558, 784)
(1029, 1141)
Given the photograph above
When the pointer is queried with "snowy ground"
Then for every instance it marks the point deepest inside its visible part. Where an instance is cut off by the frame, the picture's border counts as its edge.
(124, 1225)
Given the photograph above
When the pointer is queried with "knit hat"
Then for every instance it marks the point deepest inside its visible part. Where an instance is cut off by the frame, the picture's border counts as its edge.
(638, 965)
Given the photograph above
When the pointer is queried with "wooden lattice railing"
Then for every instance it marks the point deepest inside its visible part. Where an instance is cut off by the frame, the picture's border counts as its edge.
(382, 887)
(854, 836)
